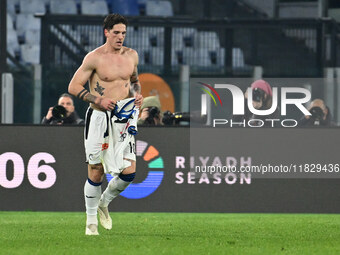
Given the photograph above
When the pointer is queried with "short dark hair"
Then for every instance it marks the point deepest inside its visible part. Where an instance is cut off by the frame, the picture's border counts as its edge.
(113, 19)
(66, 95)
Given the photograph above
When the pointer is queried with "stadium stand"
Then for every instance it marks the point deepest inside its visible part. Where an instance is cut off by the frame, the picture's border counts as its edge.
(12, 7)
(144, 55)
(10, 23)
(189, 44)
(32, 37)
(205, 39)
(156, 36)
(32, 6)
(94, 7)
(68, 7)
(151, 46)
(183, 37)
(26, 21)
(137, 38)
(159, 8)
(157, 56)
(12, 43)
(141, 6)
(216, 9)
(125, 7)
(30, 53)
(238, 58)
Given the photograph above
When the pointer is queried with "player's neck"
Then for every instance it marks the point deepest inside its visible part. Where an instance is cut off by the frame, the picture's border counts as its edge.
(110, 49)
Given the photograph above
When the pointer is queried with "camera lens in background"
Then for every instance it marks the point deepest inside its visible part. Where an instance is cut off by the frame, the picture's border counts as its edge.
(178, 117)
(181, 116)
(316, 112)
(258, 95)
(153, 113)
(168, 118)
(59, 112)
(317, 115)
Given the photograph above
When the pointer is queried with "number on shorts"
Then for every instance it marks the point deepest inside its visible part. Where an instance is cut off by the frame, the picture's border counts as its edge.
(132, 148)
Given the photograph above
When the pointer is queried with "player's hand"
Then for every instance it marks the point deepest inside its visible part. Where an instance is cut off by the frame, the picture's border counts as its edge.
(49, 113)
(107, 104)
(139, 100)
(145, 114)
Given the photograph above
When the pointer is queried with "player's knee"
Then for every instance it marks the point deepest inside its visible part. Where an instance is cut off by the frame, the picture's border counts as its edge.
(96, 178)
(96, 173)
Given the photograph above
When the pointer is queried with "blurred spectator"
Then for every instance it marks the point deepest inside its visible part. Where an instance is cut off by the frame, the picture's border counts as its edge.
(262, 96)
(321, 115)
(151, 112)
(63, 114)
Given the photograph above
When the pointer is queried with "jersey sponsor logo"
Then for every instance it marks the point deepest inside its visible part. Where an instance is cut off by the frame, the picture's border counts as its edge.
(105, 146)
(155, 176)
(122, 137)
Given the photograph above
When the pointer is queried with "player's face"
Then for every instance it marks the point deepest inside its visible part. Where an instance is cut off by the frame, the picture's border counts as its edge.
(116, 36)
(67, 103)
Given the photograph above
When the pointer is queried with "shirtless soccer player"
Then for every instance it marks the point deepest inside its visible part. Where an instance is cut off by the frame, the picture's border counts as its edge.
(111, 70)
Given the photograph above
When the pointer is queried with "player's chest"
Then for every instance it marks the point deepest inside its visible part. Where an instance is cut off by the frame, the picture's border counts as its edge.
(115, 68)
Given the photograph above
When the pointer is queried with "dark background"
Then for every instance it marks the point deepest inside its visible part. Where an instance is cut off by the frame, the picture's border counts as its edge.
(262, 195)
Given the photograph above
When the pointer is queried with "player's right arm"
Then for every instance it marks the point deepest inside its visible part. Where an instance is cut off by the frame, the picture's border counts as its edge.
(81, 76)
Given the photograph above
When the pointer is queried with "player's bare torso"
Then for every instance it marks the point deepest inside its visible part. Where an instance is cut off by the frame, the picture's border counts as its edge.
(112, 73)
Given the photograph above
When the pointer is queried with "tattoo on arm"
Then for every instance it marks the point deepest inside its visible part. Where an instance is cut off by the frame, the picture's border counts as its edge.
(90, 98)
(135, 88)
(86, 96)
(82, 93)
(99, 89)
(134, 76)
(135, 85)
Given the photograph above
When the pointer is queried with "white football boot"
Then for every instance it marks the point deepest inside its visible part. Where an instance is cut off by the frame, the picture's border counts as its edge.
(104, 217)
(91, 230)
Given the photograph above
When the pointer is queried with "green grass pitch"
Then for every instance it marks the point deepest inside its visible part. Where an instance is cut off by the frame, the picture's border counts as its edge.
(171, 233)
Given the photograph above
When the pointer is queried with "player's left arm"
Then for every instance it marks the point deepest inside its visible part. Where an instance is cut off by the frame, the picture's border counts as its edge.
(136, 88)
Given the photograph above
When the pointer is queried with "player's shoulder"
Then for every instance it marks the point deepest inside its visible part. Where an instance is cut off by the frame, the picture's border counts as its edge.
(93, 56)
(97, 51)
(130, 51)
